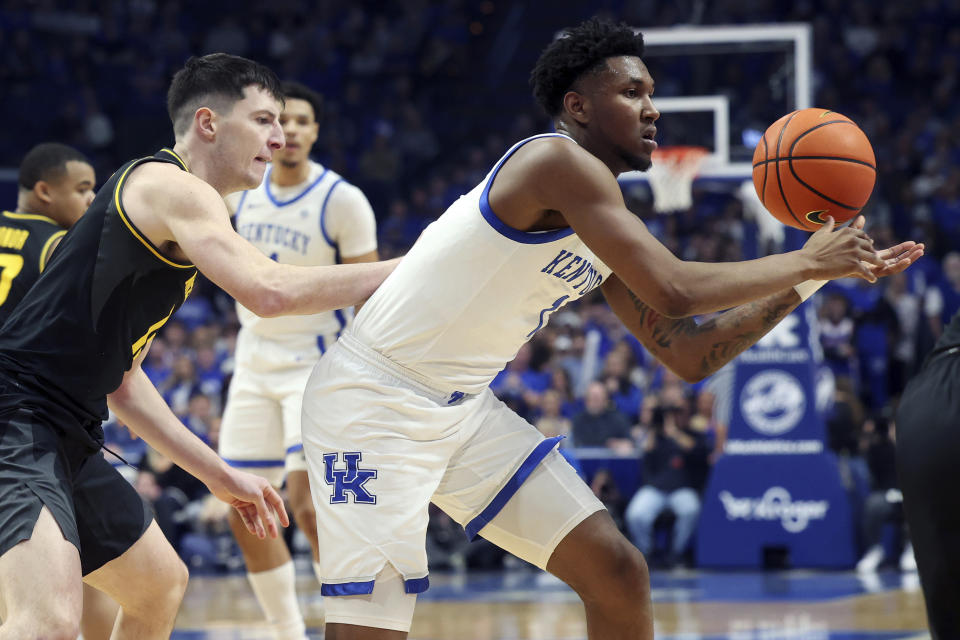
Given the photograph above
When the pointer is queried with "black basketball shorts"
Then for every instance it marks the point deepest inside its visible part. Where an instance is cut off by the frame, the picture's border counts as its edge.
(97, 509)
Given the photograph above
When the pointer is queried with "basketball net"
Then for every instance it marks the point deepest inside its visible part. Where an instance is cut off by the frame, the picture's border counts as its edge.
(671, 177)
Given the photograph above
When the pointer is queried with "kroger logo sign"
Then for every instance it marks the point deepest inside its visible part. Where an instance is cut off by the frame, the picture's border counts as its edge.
(772, 402)
(776, 504)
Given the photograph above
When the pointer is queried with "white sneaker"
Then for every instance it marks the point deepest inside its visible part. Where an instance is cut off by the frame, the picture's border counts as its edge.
(870, 560)
(907, 560)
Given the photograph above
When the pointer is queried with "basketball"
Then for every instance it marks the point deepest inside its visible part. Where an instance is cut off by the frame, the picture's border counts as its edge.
(814, 163)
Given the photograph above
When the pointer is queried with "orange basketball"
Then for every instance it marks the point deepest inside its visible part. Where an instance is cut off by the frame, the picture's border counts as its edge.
(813, 163)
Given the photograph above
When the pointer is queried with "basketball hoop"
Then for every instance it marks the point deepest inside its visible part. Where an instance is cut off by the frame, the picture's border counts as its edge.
(671, 177)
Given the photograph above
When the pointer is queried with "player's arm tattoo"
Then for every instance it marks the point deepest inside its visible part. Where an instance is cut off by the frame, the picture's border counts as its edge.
(713, 343)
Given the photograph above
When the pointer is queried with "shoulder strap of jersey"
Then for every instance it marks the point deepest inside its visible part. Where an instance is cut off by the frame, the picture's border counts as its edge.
(164, 155)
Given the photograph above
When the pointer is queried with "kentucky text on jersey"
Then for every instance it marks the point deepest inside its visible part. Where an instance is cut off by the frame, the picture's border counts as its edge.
(571, 267)
(11, 238)
(276, 234)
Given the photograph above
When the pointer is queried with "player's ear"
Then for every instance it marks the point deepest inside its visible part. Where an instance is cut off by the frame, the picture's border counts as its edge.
(43, 191)
(205, 121)
(577, 106)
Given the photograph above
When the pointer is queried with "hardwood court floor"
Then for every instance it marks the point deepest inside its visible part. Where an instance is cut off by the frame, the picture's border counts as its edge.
(528, 605)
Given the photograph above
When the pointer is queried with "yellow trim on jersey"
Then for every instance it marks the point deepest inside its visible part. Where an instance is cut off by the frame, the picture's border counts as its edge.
(176, 157)
(46, 248)
(28, 216)
(141, 343)
(133, 229)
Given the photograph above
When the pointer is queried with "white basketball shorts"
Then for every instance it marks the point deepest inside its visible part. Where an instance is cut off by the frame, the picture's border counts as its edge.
(381, 444)
(260, 429)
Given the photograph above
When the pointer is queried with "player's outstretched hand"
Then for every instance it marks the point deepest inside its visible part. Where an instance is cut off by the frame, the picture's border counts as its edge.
(838, 253)
(895, 259)
(254, 499)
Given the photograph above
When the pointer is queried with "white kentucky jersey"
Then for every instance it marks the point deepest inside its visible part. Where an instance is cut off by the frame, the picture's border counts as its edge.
(316, 222)
(472, 290)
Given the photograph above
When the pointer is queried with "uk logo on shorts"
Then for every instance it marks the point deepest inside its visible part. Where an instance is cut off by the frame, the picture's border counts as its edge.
(349, 480)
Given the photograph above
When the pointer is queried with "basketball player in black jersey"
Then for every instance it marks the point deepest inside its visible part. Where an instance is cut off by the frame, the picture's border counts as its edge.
(928, 448)
(56, 186)
(76, 341)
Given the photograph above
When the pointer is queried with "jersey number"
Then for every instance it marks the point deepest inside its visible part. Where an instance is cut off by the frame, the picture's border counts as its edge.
(10, 265)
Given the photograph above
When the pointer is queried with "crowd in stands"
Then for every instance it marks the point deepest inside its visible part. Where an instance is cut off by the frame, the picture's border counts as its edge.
(414, 115)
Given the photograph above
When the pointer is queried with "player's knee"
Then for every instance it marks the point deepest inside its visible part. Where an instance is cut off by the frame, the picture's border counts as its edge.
(169, 588)
(177, 582)
(622, 577)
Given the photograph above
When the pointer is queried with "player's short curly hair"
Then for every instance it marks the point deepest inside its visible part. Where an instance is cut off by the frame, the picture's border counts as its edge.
(578, 51)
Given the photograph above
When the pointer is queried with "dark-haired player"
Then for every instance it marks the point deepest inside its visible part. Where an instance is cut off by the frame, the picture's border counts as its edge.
(303, 213)
(927, 453)
(56, 185)
(398, 413)
(55, 188)
(76, 341)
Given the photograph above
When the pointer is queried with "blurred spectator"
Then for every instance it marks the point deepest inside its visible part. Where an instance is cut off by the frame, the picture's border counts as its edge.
(209, 375)
(201, 420)
(401, 228)
(157, 364)
(605, 488)
(673, 457)
(521, 382)
(169, 489)
(943, 298)
(845, 438)
(180, 385)
(836, 335)
(885, 502)
(561, 383)
(704, 422)
(904, 352)
(616, 376)
(552, 422)
(601, 424)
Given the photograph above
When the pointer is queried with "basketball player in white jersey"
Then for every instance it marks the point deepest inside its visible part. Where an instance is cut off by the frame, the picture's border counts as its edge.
(304, 214)
(399, 414)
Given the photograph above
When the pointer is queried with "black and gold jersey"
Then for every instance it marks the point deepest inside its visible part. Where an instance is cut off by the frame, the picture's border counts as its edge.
(25, 241)
(96, 306)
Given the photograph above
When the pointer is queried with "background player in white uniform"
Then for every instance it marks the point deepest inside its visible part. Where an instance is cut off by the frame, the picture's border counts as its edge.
(303, 214)
(399, 414)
